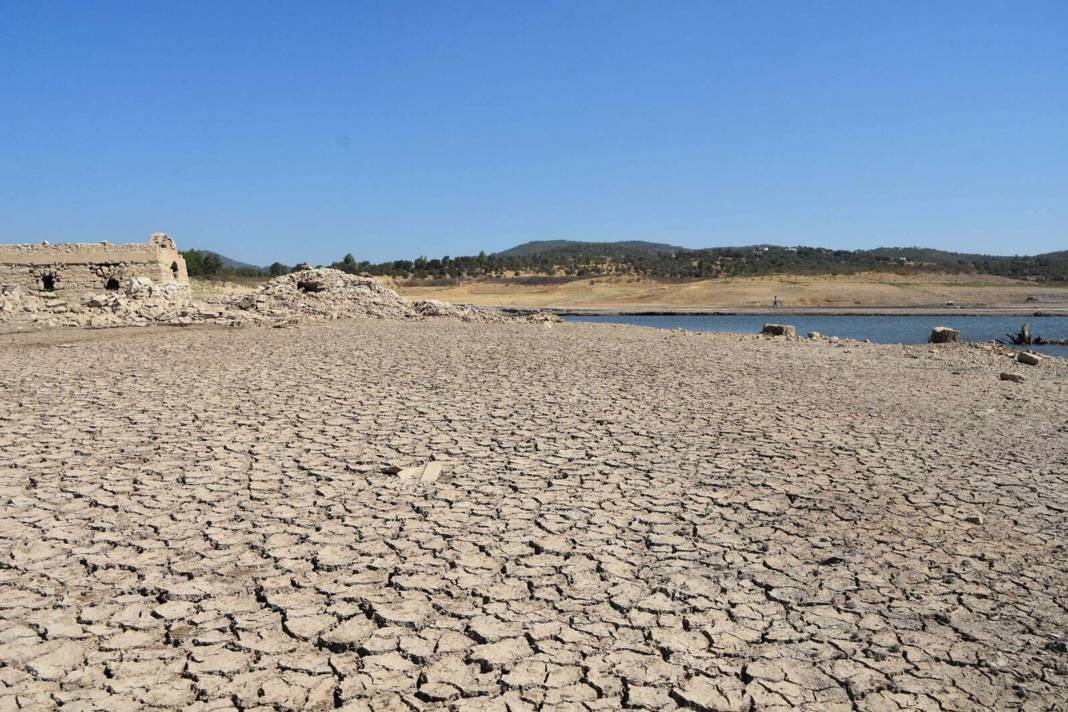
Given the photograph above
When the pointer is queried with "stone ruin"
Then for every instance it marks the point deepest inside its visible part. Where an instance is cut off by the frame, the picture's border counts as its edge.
(76, 270)
(101, 284)
(138, 285)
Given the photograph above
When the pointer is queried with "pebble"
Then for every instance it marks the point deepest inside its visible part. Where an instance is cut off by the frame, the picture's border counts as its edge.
(1028, 358)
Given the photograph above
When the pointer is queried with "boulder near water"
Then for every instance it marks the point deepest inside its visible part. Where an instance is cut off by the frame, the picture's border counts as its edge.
(944, 335)
(779, 330)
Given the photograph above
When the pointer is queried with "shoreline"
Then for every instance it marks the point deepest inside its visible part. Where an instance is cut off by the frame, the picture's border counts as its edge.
(800, 311)
(865, 294)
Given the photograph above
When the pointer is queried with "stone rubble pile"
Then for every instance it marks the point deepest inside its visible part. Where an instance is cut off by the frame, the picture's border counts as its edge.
(321, 294)
(308, 295)
(317, 294)
(138, 302)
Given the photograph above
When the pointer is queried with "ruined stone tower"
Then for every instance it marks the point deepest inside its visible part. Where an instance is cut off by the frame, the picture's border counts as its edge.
(77, 269)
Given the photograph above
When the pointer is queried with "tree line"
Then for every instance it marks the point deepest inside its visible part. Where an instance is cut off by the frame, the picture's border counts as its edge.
(579, 260)
(210, 265)
(710, 264)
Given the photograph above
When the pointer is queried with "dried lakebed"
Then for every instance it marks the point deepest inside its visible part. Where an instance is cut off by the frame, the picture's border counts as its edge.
(214, 519)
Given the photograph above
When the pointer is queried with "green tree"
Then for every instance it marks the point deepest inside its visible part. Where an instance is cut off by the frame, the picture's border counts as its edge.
(202, 263)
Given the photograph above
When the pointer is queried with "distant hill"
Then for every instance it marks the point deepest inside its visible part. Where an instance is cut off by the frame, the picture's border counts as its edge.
(536, 262)
(232, 264)
(1050, 265)
(606, 249)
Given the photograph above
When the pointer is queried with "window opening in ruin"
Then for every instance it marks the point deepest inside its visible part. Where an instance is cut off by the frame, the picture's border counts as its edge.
(112, 285)
(174, 269)
(310, 286)
(48, 282)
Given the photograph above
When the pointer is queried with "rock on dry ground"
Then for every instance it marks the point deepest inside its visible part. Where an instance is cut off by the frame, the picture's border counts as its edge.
(211, 519)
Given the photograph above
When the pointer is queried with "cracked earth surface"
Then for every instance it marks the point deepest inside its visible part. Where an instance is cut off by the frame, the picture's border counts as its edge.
(624, 518)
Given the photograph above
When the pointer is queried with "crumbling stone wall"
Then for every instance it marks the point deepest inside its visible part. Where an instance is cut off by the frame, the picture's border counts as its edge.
(78, 269)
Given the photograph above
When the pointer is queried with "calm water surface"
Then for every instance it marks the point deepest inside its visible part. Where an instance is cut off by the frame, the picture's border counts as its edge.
(880, 329)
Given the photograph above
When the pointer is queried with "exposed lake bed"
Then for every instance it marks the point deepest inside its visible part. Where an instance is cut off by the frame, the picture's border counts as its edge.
(598, 513)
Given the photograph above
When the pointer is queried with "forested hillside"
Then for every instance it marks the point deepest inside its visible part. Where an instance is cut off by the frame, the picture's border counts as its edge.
(559, 260)
(563, 259)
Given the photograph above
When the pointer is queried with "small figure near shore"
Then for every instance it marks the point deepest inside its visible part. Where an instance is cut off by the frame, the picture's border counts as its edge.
(775, 303)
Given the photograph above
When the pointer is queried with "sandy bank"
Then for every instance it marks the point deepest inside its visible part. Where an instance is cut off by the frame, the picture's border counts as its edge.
(863, 293)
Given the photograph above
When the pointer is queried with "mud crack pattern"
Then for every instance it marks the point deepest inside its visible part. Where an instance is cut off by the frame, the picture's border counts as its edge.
(622, 518)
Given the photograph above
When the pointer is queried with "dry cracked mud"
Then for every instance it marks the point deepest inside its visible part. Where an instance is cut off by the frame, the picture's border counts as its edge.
(212, 519)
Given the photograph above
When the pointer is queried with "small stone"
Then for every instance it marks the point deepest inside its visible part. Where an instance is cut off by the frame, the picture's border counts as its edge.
(431, 472)
(410, 473)
(944, 335)
(1014, 377)
(1029, 358)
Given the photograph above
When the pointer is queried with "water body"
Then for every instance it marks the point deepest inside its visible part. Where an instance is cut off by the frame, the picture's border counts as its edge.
(883, 329)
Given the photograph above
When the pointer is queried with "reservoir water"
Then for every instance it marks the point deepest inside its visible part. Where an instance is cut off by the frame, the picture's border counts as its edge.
(884, 329)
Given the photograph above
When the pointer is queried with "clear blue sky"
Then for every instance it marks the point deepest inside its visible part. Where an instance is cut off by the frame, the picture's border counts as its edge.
(302, 131)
